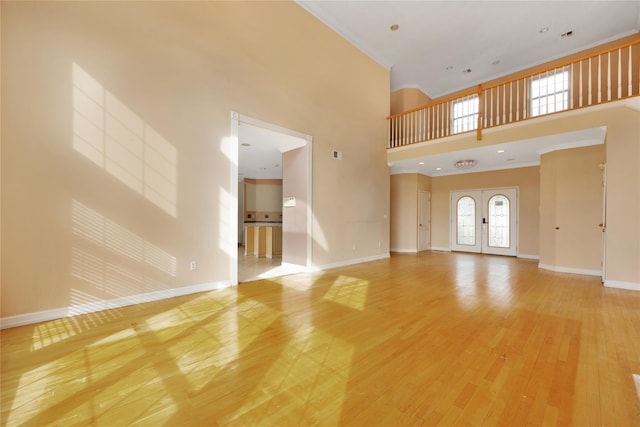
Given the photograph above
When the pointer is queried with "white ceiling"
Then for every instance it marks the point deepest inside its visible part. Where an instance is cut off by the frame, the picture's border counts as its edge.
(262, 158)
(516, 154)
(434, 35)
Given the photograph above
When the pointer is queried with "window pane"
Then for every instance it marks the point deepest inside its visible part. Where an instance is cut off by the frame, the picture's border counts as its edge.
(465, 114)
(549, 92)
(499, 222)
(466, 215)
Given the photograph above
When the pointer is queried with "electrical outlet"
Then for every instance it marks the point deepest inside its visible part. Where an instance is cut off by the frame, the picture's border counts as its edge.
(193, 266)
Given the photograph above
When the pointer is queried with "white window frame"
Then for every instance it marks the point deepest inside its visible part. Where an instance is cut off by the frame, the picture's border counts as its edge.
(464, 114)
(544, 90)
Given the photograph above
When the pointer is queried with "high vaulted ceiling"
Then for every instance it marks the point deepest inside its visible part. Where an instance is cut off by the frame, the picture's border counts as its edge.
(437, 40)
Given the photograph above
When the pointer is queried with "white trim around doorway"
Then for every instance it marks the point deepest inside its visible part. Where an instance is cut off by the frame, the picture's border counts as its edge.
(236, 119)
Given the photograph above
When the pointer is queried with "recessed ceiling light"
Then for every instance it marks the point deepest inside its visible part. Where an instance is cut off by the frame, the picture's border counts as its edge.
(543, 30)
(438, 169)
(244, 144)
(501, 151)
(394, 27)
(421, 163)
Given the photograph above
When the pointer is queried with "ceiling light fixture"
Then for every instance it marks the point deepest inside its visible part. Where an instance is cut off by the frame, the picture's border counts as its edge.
(421, 163)
(465, 164)
(501, 151)
(438, 169)
(394, 27)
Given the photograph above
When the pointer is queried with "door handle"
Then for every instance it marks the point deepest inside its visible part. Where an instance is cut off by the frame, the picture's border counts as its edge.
(484, 220)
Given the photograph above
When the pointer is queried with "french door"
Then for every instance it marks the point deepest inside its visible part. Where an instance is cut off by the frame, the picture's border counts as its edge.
(485, 221)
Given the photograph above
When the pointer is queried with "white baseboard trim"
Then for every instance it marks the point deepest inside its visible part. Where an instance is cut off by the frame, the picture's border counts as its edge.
(403, 251)
(526, 256)
(348, 262)
(560, 269)
(92, 307)
(441, 248)
(631, 286)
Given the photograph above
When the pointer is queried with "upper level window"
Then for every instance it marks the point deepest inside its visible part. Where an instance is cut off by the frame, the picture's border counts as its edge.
(465, 114)
(549, 92)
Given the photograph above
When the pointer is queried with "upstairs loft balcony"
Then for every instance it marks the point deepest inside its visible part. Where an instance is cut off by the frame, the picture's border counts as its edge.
(606, 76)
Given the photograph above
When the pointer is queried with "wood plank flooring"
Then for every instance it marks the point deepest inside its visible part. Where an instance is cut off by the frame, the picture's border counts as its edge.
(431, 339)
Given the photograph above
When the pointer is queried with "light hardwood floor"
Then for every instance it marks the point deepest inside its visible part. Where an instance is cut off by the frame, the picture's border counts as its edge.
(430, 339)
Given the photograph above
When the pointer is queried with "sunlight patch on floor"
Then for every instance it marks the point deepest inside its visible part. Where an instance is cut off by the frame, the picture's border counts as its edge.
(349, 291)
(311, 374)
(206, 351)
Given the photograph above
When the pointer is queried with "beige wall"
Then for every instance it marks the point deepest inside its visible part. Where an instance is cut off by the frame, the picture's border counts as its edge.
(294, 218)
(571, 209)
(622, 237)
(527, 181)
(408, 99)
(404, 210)
(263, 195)
(116, 118)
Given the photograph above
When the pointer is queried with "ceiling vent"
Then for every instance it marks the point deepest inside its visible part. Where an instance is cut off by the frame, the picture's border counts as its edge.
(567, 34)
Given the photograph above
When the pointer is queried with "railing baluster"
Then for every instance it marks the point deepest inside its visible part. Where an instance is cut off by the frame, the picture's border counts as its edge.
(609, 76)
(412, 126)
(630, 73)
(438, 121)
(525, 99)
(517, 101)
(504, 104)
(590, 83)
(619, 73)
(510, 102)
(599, 79)
(580, 88)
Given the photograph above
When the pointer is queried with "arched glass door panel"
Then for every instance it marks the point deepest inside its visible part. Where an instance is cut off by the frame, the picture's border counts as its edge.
(466, 221)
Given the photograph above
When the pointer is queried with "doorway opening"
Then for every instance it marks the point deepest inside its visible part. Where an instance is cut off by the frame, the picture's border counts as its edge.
(485, 221)
(270, 165)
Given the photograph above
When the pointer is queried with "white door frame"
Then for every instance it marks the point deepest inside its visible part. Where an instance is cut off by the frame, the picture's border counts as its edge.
(231, 149)
(481, 198)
